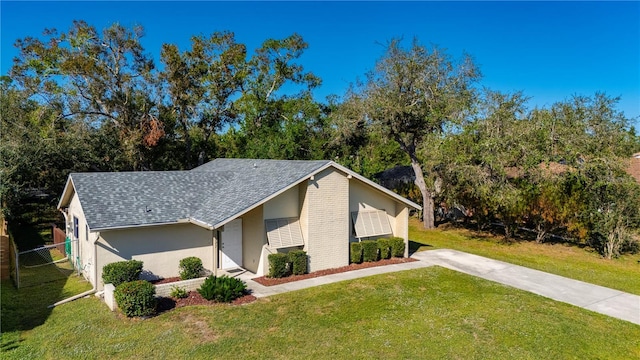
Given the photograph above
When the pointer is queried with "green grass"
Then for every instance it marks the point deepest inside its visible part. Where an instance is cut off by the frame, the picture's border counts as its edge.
(26, 308)
(566, 260)
(430, 313)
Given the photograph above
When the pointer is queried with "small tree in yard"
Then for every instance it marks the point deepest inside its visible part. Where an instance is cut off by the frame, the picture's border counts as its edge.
(614, 209)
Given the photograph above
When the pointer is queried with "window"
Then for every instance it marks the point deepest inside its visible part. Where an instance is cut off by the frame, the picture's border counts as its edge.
(370, 223)
(283, 233)
(86, 232)
(75, 227)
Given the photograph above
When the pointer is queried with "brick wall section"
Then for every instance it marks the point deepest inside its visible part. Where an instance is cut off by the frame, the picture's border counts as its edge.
(328, 223)
(5, 251)
(59, 237)
(164, 290)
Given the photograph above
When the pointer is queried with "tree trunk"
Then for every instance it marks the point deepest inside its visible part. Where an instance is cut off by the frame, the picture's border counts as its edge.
(427, 196)
(541, 233)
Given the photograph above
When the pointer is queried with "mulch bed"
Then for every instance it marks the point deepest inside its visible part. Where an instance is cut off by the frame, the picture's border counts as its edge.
(165, 281)
(266, 281)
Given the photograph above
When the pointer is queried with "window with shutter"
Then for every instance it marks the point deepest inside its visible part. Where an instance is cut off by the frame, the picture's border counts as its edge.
(370, 223)
(283, 233)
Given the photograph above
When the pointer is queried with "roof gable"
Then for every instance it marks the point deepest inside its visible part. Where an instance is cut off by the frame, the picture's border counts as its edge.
(209, 195)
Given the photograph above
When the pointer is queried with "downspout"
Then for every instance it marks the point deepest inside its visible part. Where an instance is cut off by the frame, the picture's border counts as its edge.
(95, 260)
(216, 235)
(75, 297)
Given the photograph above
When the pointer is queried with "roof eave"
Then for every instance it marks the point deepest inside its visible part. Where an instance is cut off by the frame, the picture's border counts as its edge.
(66, 195)
(133, 226)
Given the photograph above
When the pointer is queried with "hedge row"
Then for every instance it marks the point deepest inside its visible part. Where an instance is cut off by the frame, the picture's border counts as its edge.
(374, 250)
(284, 264)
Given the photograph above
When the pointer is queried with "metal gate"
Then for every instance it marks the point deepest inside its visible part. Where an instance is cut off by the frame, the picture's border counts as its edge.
(44, 264)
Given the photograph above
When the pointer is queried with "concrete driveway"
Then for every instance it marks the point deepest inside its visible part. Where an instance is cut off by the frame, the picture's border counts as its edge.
(596, 298)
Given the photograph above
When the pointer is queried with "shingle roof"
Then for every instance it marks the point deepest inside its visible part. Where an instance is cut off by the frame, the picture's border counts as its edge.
(209, 194)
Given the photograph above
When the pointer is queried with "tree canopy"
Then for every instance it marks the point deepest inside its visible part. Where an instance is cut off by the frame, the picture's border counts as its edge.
(94, 100)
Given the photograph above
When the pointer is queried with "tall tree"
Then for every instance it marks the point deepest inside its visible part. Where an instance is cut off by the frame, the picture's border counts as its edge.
(104, 79)
(37, 149)
(416, 92)
(203, 83)
(276, 108)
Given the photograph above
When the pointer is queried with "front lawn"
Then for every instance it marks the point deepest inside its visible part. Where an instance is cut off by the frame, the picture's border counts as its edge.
(566, 260)
(427, 313)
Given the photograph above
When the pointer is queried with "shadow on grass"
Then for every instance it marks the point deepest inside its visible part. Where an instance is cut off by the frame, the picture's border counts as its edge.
(492, 231)
(27, 236)
(28, 307)
(415, 246)
(165, 304)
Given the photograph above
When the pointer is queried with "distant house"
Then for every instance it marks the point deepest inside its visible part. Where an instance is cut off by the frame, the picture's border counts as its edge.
(231, 213)
(633, 167)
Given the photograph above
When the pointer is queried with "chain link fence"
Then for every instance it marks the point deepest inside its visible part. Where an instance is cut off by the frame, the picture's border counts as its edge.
(44, 264)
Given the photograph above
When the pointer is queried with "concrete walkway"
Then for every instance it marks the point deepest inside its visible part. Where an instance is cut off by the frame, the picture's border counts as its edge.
(263, 291)
(596, 298)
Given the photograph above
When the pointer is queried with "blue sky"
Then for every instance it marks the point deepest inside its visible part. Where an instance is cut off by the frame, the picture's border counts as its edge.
(549, 50)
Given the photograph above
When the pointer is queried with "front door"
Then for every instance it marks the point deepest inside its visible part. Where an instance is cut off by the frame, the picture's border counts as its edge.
(231, 245)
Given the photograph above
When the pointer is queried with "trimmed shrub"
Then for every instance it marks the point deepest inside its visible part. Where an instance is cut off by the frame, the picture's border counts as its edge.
(190, 268)
(356, 252)
(136, 298)
(222, 289)
(278, 267)
(369, 250)
(120, 272)
(384, 247)
(397, 246)
(178, 292)
(298, 260)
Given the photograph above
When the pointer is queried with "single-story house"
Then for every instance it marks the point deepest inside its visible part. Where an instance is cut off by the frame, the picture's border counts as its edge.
(231, 213)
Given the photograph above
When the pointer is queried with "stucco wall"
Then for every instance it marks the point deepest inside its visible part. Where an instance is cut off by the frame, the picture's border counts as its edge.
(402, 225)
(84, 246)
(160, 248)
(362, 197)
(282, 206)
(328, 220)
(253, 239)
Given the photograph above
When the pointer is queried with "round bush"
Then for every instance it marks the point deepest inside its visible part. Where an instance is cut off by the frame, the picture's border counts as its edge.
(190, 268)
(120, 272)
(136, 298)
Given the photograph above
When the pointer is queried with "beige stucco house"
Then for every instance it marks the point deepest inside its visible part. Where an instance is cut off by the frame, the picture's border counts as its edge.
(231, 213)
